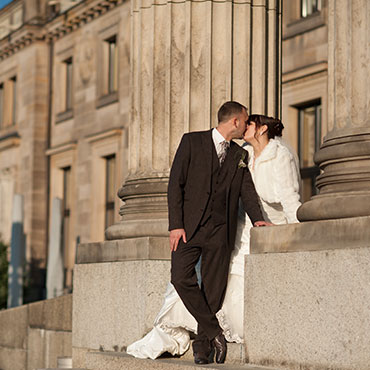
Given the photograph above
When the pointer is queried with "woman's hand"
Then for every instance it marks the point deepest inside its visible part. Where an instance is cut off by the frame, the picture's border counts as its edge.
(262, 223)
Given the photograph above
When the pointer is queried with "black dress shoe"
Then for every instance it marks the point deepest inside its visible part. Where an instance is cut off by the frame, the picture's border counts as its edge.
(219, 343)
(200, 358)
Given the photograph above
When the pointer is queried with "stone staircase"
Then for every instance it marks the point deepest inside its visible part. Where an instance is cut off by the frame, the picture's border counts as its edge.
(62, 363)
(235, 360)
(105, 360)
(122, 361)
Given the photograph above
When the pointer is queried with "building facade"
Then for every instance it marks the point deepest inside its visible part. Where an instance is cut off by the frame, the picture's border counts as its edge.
(65, 108)
(64, 94)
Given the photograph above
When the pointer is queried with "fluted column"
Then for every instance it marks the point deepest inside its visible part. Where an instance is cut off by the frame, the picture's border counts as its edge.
(344, 157)
(187, 58)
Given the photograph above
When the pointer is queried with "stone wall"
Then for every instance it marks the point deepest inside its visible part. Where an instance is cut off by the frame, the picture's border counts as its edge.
(34, 336)
(118, 291)
(306, 296)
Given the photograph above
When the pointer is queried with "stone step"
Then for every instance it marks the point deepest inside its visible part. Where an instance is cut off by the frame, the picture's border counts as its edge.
(122, 361)
(63, 363)
(235, 354)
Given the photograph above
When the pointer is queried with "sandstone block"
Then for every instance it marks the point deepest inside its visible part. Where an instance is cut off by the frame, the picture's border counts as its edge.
(308, 309)
(115, 303)
(13, 324)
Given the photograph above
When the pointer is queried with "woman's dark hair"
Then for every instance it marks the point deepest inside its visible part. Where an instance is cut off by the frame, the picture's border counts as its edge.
(274, 125)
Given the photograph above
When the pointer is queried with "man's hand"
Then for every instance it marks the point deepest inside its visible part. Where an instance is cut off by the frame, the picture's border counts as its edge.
(262, 223)
(175, 236)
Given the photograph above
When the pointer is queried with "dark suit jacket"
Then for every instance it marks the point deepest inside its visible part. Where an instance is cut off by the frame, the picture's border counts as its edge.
(190, 185)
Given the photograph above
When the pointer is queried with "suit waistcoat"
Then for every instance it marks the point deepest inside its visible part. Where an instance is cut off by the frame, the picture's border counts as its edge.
(216, 205)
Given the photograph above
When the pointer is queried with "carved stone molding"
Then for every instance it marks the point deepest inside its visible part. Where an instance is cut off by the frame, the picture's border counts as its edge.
(58, 27)
(83, 13)
(19, 40)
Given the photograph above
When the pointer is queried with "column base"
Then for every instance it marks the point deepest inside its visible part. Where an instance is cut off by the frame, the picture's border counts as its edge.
(137, 228)
(335, 206)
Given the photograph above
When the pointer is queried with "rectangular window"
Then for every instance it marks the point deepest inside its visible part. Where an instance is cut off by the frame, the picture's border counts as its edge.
(112, 51)
(9, 102)
(1, 105)
(110, 189)
(14, 99)
(309, 140)
(68, 83)
(66, 226)
(309, 7)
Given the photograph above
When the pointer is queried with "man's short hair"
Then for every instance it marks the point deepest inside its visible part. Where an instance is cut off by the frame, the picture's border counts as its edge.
(228, 110)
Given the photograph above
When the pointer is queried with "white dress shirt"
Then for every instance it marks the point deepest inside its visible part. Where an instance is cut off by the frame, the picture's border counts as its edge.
(217, 140)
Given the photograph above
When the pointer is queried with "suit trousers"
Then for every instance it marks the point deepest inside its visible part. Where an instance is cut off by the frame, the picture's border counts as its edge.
(210, 242)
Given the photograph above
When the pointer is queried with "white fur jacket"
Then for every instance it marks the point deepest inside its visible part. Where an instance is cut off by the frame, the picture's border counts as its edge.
(276, 177)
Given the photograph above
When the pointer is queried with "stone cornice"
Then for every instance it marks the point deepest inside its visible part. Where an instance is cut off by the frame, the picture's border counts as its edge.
(61, 25)
(19, 39)
(303, 73)
(61, 149)
(77, 16)
(104, 135)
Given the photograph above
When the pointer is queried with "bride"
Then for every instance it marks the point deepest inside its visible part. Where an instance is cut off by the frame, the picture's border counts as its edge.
(275, 172)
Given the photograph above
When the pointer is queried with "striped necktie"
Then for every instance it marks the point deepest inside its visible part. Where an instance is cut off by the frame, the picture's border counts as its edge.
(224, 146)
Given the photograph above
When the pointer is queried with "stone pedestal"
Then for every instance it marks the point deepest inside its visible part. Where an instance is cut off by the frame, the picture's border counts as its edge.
(344, 157)
(307, 294)
(118, 291)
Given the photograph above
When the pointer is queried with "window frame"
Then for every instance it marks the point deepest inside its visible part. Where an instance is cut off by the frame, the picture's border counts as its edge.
(108, 78)
(68, 98)
(304, 8)
(112, 64)
(2, 105)
(309, 171)
(104, 145)
(109, 204)
(14, 100)
(66, 247)
(62, 158)
(63, 99)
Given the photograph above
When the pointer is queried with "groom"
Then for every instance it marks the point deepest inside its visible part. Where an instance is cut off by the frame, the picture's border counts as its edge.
(208, 175)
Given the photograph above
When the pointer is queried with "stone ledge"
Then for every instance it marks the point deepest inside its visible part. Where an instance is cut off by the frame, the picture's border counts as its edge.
(115, 361)
(115, 303)
(312, 236)
(13, 328)
(145, 248)
(52, 314)
(235, 354)
(14, 359)
(308, 310)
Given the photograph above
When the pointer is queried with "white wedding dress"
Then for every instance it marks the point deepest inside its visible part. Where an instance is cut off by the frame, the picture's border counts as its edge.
(276, 176)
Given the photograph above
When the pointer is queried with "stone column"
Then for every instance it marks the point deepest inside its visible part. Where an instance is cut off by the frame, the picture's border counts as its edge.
(344, 157)
(187, 58)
